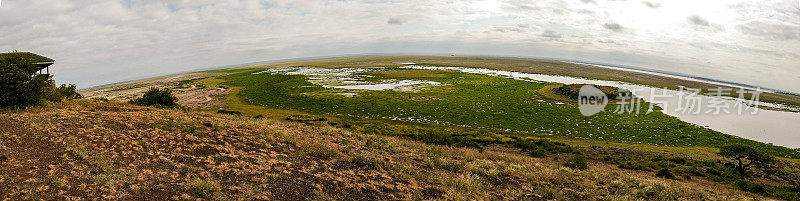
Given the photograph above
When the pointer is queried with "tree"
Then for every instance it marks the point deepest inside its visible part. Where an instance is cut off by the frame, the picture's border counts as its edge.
(56, 94)
(742, 157)
(157, 97)
(19, 84)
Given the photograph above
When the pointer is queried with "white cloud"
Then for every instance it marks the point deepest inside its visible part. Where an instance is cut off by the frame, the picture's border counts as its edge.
(96, 42)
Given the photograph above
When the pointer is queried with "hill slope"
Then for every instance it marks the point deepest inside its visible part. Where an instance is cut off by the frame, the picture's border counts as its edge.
(112, 150)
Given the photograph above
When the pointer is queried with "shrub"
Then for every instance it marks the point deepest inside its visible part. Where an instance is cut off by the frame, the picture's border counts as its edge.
(367, 162)
(229, 112)
(68, 91)
(305, 118)
(665, 173)
(780, 192)
(20, 86)
(656, 192)
(56, 94)
(750, 186)
(742, 157)
(538, 153)
(204, 187)
(156, 97)
(434, 137)
(320, 151)
(467, 142)
(571, 91)
(541, 147)
(576, 162)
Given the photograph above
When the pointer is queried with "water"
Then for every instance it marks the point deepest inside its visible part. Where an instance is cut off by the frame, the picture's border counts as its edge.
(385, 86)
(349, 78)
(769, 126)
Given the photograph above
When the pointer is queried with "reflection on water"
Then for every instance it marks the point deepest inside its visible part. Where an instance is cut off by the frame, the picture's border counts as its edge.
(349, 78)
(769, 126)
(384, 86)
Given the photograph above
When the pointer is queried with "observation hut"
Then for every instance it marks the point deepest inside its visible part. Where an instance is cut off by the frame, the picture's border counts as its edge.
(41, 64)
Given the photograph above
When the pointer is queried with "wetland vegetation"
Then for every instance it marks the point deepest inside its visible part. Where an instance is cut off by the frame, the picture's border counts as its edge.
(477, 101)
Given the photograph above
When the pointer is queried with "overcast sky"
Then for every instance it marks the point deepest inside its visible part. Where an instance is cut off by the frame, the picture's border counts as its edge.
(102, 41)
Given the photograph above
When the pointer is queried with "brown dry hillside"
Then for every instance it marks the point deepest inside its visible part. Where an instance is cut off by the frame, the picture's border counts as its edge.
(86, 149)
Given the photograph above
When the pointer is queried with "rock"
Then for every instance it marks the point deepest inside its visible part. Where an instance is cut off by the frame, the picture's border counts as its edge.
(3, 158)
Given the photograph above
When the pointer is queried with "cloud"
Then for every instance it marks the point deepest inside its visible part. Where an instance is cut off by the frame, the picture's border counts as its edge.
(605, 41)
(396, 21)
(99, 42)
(770, 30)
(613, 26)
(551, 34)
(652, 4)
(701, 24)
(697, 20)
(508, 29)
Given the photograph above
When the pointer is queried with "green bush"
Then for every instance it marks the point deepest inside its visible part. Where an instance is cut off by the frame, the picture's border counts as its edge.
(204, 187)
(229, 112)
(750, 186)
(742, 157)
(20, 86)
(538, 153)
(156, 97)
(56, 94)
(665, 173)
(780, 192)
(541, 147)
(656, 192)
(68, 91)
(434, 137)
(576, 162)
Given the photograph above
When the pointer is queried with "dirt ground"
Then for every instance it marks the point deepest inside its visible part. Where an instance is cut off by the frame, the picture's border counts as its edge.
(196, 97)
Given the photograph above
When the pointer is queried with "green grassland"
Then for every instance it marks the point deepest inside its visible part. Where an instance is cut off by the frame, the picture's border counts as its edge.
(496, 109)
(518, 64)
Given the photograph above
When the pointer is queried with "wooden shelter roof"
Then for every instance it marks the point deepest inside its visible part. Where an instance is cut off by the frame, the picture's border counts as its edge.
(40, 61)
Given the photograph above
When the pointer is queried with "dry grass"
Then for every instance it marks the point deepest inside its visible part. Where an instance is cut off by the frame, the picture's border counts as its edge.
(109, 150)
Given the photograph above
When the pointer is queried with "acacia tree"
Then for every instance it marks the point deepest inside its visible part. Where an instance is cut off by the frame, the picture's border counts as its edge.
(743, 157)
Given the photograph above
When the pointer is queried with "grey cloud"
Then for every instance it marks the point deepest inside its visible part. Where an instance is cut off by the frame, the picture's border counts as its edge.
(652, 4)
(396, 21)
(508, 29)
(519, 28)
(701, 24)
(97, 42)
(697, 20)
(613, 26)
(607, 41)
(551, 34)
(770, 30)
